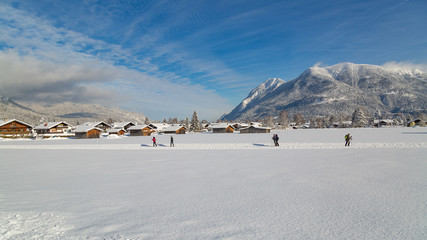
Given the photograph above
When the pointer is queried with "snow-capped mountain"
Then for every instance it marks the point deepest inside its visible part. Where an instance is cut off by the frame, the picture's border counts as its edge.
(32, 113)
(338, 89)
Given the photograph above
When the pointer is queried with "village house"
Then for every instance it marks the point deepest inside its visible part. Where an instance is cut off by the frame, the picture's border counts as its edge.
(117, 131)
(221, 128)
(87, 131)
(123, 125)
(101, 125)
(15, 128)
(52, 128)
(140, 130)
(383, 123)
(255, 129)
(159, 127)
(175, 129)
(416, 122)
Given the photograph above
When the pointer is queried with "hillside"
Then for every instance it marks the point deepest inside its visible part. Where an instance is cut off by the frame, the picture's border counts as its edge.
(70, 112)
(338, 89)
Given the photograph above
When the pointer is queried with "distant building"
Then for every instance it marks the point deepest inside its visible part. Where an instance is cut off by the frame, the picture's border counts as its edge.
(87, 131)
(101, 125)
(53, 128)
(15, 128)
(255, 129)
(123, 125)
(140, 130)
(117, 131)
(221, 128)
(175, 129)
(383, 123)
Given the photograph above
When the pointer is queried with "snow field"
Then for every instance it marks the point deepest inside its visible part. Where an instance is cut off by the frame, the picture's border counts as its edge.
(372, 190)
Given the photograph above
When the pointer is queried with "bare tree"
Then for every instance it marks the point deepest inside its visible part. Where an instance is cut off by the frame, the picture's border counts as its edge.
(284, 119)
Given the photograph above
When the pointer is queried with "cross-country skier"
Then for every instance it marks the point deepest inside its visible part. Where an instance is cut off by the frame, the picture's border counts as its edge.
(347, 138)
(172, 144)
(154, 142)
(276, 139)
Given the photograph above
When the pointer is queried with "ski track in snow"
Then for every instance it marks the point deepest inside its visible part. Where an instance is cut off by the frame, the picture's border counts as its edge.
(214, 146)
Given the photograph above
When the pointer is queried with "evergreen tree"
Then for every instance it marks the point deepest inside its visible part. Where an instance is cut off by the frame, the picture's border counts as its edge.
(147, 121)
(195, 124)
(358, 119)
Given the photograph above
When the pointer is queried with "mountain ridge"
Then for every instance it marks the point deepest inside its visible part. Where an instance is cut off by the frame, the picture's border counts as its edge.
(340, 89)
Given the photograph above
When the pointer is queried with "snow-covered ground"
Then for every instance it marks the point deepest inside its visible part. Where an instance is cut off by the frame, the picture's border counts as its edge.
(218, 186)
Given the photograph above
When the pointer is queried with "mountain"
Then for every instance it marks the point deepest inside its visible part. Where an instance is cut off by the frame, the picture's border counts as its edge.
(338, 89)
(72, 113)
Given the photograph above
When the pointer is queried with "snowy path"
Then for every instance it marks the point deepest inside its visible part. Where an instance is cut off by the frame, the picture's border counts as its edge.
(217, 146)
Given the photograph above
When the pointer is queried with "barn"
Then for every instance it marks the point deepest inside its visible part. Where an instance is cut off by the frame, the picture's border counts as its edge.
(87, 131)
(15, 128)
(117, 131)
(222, 128)
(101, 125)
(255, 129)
(123, 125)
(175, 129)
(140, 130)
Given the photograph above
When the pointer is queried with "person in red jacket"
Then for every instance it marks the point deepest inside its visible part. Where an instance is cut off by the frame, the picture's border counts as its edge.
(154, 142)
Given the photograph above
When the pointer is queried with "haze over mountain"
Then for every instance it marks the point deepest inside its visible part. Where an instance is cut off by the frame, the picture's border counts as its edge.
(338, 89)
(34, 113)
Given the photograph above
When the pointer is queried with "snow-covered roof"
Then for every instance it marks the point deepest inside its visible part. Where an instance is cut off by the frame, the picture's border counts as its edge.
(173, 128)
(115, 130)
(139, 127)
(257, 127)
(85, 128)
(383, 120)
(220, 125)
(50, 125)
(159, 126)
(96, 124)
(121, 124)
(13, 120)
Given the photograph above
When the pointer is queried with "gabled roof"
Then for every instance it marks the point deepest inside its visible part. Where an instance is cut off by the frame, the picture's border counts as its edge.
(96, 124)
(2, 123)
(256, 127)
(220, 126)
(159, 126)
(85, 128)
(122, 124)
(50, 125)
(139, 127)
(115, 130)
(173, 128)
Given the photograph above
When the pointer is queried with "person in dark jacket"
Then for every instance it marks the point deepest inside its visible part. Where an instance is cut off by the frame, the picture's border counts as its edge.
(172, 144)
(276, 140)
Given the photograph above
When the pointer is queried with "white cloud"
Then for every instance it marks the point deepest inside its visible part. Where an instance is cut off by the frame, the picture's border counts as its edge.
(405, 66)
(43, 63)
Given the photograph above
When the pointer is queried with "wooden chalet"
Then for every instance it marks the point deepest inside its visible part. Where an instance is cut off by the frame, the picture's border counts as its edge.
(255, 129)
(117, 131)
(53, 128)
(222, 128)
(175, 129)
(123, 125)
(101, 125)
(383, 123)
(140, 130)
(87, 131)
(15, 128)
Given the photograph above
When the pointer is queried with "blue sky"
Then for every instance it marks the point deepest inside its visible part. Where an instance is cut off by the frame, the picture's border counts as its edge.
(169, 58)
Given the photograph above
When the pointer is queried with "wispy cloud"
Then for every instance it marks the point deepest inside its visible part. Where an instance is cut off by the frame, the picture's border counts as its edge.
(40, 62)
